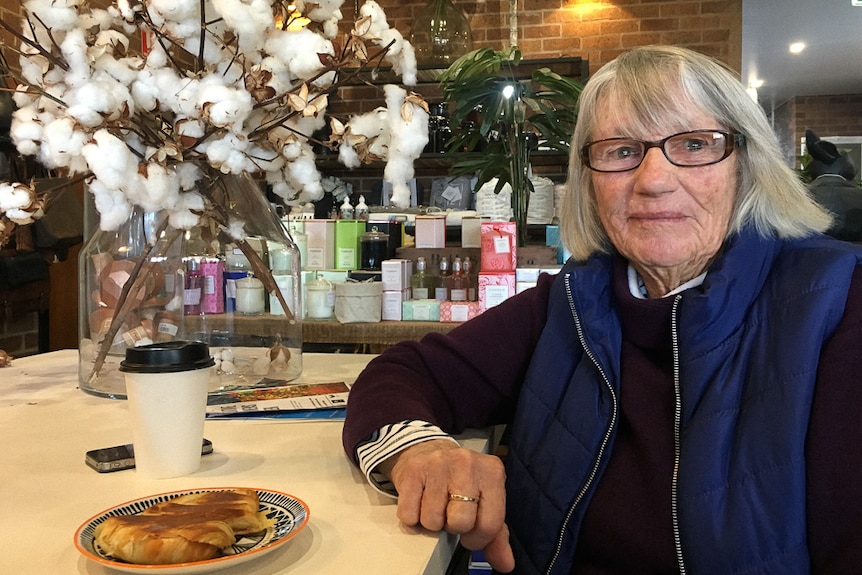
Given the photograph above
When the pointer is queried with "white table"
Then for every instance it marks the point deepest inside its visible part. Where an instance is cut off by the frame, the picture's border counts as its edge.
(46, 490)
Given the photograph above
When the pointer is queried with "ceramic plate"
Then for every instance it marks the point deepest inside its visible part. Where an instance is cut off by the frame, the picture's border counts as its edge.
(290, 515)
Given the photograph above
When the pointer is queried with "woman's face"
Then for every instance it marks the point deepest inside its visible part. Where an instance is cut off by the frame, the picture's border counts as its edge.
(668, 221)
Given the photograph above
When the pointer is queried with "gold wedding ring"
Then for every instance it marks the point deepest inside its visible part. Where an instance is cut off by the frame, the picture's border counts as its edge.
(464, 498)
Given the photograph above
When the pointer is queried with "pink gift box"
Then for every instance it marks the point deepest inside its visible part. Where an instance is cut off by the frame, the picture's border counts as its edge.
(458, 311)
(499, 247)
(495, 288)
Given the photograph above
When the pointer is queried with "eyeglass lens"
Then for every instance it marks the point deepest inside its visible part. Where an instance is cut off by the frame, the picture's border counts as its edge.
(697, 148)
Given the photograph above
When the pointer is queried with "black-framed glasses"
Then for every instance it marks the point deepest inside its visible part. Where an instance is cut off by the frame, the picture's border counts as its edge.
(686, 149)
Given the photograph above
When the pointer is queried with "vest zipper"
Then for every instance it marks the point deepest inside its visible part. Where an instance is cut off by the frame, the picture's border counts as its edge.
(591, 477)
(677, 422)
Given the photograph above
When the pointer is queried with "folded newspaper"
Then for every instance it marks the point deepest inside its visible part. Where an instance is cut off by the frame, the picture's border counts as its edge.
(293, 397)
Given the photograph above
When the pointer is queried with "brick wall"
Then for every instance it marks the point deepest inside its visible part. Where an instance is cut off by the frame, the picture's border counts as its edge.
(596, 31)
(829, 115)
(23, 319)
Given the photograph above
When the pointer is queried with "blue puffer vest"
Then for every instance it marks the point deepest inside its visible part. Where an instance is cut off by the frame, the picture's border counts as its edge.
(749, 340)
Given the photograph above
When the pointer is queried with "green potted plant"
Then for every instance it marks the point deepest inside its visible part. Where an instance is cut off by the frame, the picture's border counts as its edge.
(497, 120)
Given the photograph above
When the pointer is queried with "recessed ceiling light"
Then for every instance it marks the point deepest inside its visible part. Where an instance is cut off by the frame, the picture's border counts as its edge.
(796, 47)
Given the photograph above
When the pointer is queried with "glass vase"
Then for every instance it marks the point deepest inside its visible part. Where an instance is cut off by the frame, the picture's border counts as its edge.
(440, 33)
(147, 282)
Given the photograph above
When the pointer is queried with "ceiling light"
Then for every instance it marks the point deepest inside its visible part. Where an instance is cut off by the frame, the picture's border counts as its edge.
(755, 83)
(797, 47)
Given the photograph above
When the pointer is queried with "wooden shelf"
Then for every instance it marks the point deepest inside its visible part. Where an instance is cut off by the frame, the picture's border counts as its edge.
(370, 337)
(384, 333)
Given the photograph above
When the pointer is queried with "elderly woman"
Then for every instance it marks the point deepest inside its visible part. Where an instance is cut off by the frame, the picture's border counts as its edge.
(683, 397)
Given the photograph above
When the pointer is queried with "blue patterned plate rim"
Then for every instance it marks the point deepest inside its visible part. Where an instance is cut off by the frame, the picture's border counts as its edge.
(290, 513)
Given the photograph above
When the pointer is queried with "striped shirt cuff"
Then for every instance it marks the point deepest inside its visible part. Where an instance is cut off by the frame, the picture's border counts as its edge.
(389, 440)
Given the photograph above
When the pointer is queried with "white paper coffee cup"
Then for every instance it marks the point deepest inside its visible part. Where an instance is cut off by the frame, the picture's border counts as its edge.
(166, 386)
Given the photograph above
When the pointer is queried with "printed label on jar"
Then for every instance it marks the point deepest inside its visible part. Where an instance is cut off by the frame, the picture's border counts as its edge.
(458, 295)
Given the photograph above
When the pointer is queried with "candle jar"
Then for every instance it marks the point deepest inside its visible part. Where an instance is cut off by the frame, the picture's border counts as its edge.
(250, 298)
(320, 299)
(373, 249)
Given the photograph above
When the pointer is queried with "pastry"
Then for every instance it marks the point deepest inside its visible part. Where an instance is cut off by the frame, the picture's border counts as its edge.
(185, 529)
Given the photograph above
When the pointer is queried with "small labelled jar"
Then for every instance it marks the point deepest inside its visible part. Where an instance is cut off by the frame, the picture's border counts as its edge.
(250, 296)
(373, 247)
(320, 299)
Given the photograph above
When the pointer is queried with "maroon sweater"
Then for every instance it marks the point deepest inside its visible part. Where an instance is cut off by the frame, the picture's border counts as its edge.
(627, 528)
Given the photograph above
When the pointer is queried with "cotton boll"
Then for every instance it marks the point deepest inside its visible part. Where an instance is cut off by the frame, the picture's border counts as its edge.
(26, 130)
(280, 187)
(249, 19)
(159, 187)
(348, 156)
(110, 160)
(107, 97)
(328, 13)
(127, 9)
(175, 10)
(189, 129)
(181, 216)
(15, 196)
(225, 107)
(104, 19)
(407, 139)
(62, 142)
(33, 69)
(22, 98)
(188, 174)
(86, 116)
(74, 50)
(144, 91)
(58, 15)
(299, 50)
(180, 95)
(227, 154)
(303, 174)
(157, 58)
(378, 25)
(22, 217)
(265, 159)
(291, 150)
(330, 27)
(123, 70)
(407, 64)
(236, 229)
(111, 204)
(281, 79)
(322, 10)
(401, 54)
(112, 39)
(231, 71)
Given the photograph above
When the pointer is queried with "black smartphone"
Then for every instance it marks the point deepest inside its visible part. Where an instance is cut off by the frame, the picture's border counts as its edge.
(122, 457)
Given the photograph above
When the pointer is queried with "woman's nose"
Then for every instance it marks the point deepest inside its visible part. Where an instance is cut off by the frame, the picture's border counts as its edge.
(655, 172)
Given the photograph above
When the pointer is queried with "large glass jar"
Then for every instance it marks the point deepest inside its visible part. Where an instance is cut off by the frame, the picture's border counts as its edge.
(440, 33)
(232, 282)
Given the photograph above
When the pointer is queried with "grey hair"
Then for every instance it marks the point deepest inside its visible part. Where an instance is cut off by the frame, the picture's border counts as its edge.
(651, 85)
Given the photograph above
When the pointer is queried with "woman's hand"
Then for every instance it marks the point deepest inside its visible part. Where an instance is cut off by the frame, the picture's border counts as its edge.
(427, 473)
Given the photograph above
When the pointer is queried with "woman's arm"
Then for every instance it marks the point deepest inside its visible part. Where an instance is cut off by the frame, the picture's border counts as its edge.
(834, 448)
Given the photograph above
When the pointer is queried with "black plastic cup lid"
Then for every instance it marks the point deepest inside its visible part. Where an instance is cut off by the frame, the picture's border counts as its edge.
(167, 357)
